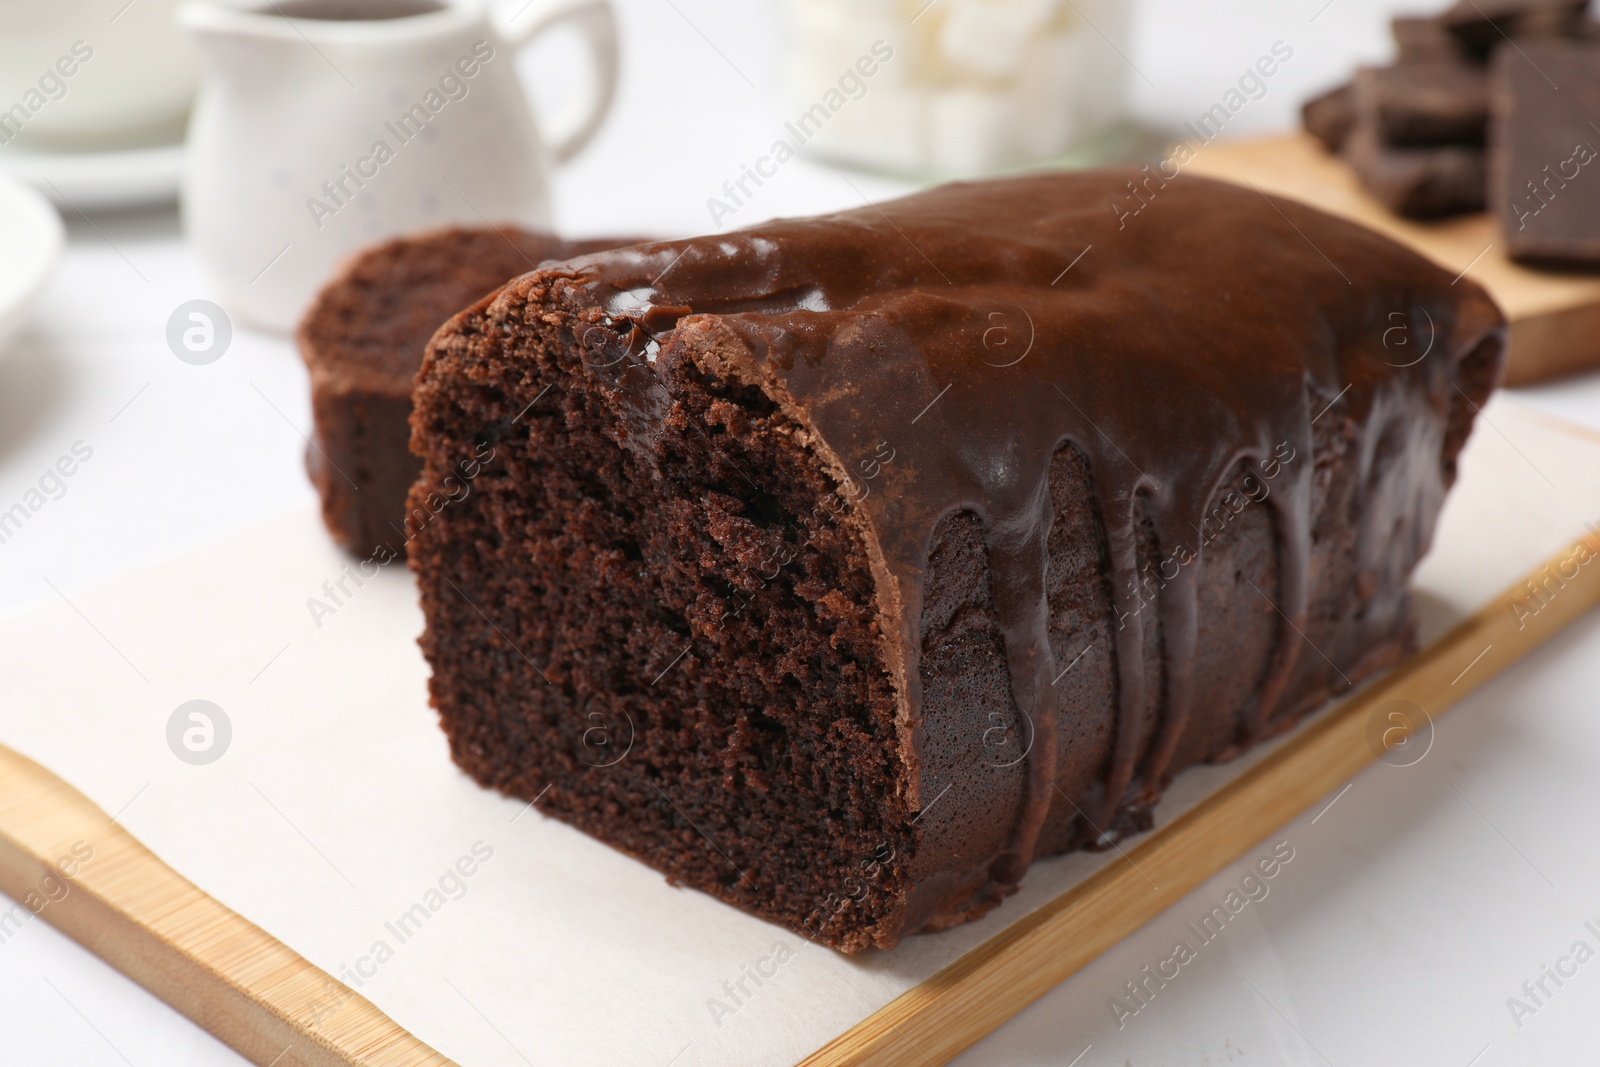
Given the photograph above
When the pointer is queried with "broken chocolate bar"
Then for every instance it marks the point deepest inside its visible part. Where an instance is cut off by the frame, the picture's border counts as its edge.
(1546, 183)
(1432, 103)
(1420, 182)
(1424, 39)
(1480, 25)
(1329, 116)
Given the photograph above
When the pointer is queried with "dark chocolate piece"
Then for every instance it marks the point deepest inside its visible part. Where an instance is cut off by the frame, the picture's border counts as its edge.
(842, 567)
(1418, 182)
(1543, 169)
(1329, 116)
(1482, 25)
(1434, 103)
(362, 340)
(1425, 39)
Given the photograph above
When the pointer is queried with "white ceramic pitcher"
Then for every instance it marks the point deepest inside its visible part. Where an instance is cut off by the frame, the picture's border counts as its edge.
(326, 125)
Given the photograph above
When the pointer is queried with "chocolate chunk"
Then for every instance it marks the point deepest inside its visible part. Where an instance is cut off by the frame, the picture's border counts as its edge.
(1544, 172)
(1481, 25)
(1329, 116)
(1424, 39)
(1418, 182)
(1432, 103)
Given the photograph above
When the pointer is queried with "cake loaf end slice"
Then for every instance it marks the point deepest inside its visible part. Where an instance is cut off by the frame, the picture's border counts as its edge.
(362, 341)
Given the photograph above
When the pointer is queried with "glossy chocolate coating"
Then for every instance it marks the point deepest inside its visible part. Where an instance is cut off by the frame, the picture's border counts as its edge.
(1171, 329)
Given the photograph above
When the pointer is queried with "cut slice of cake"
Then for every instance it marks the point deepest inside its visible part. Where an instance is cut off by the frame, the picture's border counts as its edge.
(842, 567)
(362, 341)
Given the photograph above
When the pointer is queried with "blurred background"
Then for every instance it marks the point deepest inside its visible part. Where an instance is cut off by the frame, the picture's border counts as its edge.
(142, 225)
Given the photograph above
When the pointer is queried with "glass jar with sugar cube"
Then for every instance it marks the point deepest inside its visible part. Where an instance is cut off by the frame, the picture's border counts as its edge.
(945, 88)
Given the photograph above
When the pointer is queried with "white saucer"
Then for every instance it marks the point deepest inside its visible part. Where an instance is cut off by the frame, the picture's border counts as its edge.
(90, 181)
(31, 234)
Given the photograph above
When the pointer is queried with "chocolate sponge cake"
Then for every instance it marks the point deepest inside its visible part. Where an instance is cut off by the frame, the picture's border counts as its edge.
(843, 567)
(363, 340)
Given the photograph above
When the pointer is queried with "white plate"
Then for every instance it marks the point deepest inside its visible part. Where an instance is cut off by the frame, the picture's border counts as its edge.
(31, 236)
(90, 181)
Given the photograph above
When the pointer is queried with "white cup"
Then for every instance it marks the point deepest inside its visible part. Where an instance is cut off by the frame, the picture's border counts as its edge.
(93, 74)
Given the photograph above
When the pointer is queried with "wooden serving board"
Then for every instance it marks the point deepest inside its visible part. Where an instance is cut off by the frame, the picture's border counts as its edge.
(336, 808)
(1555, 316)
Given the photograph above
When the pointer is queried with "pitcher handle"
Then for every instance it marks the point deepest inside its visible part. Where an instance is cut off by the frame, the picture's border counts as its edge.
(596, 21)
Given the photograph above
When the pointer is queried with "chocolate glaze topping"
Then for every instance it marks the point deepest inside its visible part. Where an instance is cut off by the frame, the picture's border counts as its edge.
(942, 347)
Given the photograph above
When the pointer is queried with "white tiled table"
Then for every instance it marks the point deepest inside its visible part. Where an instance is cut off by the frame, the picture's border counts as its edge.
(1407, 918)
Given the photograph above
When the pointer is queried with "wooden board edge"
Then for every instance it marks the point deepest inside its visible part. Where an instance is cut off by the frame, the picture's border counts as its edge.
(65, 861)
(944, 1015)
(1555, 344)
